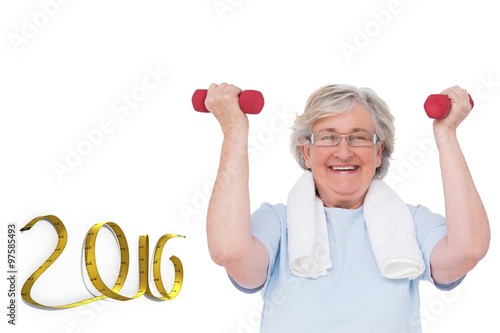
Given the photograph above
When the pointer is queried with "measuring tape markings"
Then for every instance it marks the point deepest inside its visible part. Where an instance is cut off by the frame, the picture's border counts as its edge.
(176, 288)
(93, 272)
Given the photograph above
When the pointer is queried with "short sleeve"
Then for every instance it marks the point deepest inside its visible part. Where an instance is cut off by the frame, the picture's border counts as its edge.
(430, 229)
(267, 227)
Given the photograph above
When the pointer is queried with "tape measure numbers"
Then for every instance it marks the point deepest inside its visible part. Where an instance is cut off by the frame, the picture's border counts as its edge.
(92, 269)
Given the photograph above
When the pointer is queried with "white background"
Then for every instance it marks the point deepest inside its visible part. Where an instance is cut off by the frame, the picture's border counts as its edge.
(66, 67)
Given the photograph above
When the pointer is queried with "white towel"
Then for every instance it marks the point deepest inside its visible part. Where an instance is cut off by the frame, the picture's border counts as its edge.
(308, 246)
(388, 220)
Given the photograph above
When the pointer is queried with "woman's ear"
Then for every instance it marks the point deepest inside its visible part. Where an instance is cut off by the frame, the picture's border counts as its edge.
(380, 150)
(306, 152)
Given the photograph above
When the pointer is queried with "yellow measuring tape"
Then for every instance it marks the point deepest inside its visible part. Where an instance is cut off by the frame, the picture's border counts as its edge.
(93, 272)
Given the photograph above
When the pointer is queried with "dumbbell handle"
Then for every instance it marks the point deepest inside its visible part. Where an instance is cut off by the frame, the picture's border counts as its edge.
(250, 101)
(438, 106)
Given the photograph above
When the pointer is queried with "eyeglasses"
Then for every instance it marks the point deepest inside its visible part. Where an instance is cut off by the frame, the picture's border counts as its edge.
(332, 139)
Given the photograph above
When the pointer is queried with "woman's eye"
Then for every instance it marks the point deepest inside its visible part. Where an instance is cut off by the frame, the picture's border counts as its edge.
(360, 138)
(329, 137)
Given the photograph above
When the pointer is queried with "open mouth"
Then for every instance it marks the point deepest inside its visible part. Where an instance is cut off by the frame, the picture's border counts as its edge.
(344, 168)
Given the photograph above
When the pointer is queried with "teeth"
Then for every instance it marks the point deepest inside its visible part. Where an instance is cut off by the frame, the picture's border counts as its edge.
(344, 168)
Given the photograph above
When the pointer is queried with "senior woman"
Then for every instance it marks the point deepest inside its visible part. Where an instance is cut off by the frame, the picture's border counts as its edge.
(344, 254)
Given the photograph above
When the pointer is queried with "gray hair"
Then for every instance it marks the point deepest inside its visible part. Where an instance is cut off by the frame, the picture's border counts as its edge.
(335, 99)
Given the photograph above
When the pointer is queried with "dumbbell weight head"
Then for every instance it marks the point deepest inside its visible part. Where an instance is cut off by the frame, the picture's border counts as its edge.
(438, 106)
(250, 101)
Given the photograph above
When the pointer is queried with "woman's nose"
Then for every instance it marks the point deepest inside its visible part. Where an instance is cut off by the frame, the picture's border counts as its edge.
(343, 150)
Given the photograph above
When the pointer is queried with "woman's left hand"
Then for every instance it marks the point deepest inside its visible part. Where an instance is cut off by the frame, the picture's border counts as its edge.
(460, 109)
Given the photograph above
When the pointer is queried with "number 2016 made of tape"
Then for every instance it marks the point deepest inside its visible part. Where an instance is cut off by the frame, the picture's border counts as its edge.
(92, 270)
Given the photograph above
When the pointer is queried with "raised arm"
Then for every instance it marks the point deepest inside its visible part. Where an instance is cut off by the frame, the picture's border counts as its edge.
(467, 223)
(230, 241)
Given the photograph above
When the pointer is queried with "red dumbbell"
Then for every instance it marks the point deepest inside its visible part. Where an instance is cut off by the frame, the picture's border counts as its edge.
(251, 101)
(438, 106)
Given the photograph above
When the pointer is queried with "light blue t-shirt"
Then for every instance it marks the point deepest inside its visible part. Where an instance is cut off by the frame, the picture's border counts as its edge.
(353, 297)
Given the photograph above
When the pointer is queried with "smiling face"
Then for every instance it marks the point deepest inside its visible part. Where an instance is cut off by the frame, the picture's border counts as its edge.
(343, 173)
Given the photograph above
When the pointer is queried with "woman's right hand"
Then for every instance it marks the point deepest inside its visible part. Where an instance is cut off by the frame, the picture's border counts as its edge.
(223, 102)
